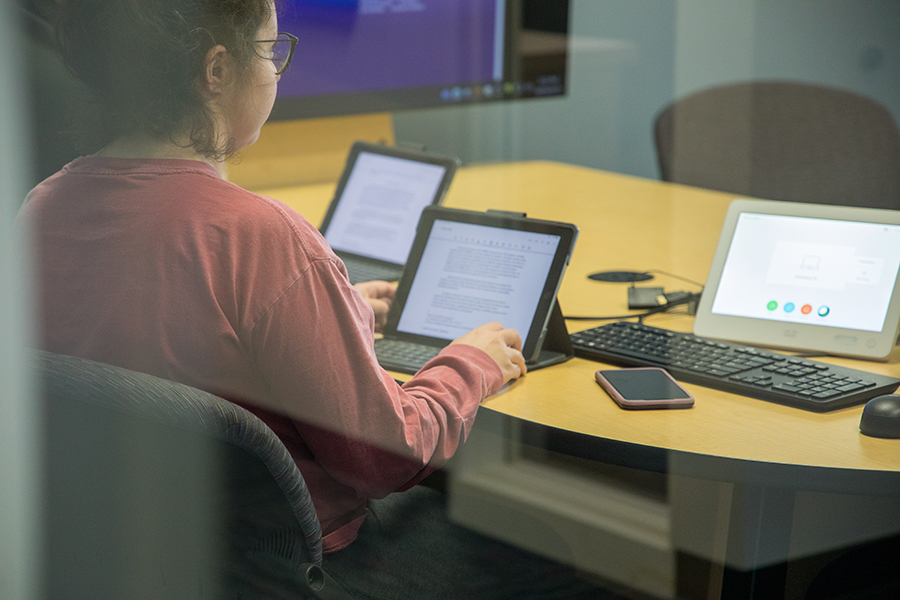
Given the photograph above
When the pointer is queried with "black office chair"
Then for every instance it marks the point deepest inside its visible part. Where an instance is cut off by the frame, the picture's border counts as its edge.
(782, 140)
(159, 490)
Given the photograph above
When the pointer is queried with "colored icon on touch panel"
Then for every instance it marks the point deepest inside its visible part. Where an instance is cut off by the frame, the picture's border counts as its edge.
(789, 307)
(823, 311)
(806, 309)
(772, 305)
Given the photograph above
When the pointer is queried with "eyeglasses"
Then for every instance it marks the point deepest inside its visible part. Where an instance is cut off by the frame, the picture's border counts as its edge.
(281, 52)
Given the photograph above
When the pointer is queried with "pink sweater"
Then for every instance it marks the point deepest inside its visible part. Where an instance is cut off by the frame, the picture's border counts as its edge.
(161, 266)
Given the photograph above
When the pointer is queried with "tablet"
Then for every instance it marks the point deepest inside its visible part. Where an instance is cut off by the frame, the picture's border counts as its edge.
(468, 268)
(805, 277)
(371, 221)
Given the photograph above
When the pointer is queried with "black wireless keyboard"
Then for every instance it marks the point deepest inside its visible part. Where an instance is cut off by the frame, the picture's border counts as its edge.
(402, 356)
(794, 381)
(360, 271)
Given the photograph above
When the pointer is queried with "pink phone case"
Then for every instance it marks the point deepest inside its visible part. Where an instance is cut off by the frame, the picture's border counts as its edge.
(637, 403)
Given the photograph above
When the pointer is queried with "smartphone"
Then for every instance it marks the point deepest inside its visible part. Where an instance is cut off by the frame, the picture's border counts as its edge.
(644, 387)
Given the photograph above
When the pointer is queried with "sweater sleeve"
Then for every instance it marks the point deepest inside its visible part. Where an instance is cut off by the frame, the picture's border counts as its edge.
(315, 348)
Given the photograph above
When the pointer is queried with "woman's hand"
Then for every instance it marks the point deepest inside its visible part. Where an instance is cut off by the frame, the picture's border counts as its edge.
(503, 345)
(379, 295)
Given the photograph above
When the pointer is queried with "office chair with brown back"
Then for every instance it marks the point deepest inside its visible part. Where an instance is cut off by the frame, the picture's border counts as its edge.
(783, 141)
(158, 490)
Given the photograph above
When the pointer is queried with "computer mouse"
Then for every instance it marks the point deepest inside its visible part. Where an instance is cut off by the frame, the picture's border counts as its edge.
(881, 417)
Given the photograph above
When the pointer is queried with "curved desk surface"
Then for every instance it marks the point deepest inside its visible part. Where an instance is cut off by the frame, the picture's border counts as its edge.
(628, 223)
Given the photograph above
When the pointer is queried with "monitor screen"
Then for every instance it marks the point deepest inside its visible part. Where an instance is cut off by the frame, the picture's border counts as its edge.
(358, 56)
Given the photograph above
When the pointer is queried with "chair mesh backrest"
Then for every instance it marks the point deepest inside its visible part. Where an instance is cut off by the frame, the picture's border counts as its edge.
(187, 408)
(783, 141)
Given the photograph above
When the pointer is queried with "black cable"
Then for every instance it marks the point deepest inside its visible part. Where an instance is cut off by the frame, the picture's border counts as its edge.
(692, 297)
(673, 275)
(639, 316)
(652, 311)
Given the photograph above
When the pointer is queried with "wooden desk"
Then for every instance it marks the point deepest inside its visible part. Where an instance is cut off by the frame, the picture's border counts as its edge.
(629, 223)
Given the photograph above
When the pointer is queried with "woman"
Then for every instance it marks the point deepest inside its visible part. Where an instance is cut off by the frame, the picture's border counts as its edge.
(150, 260)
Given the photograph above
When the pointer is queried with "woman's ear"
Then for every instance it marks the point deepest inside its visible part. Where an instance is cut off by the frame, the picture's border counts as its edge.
(217, 72)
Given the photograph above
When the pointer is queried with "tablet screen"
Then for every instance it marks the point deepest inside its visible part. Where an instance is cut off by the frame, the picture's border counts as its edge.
(472, 274)
(808, 277)
(813, 271)
(380, 205)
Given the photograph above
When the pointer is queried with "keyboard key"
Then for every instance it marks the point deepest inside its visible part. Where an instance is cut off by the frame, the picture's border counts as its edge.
(850, 387)
(784, 387)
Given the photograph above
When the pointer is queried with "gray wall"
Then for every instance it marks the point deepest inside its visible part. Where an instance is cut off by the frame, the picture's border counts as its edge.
(629, 58)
